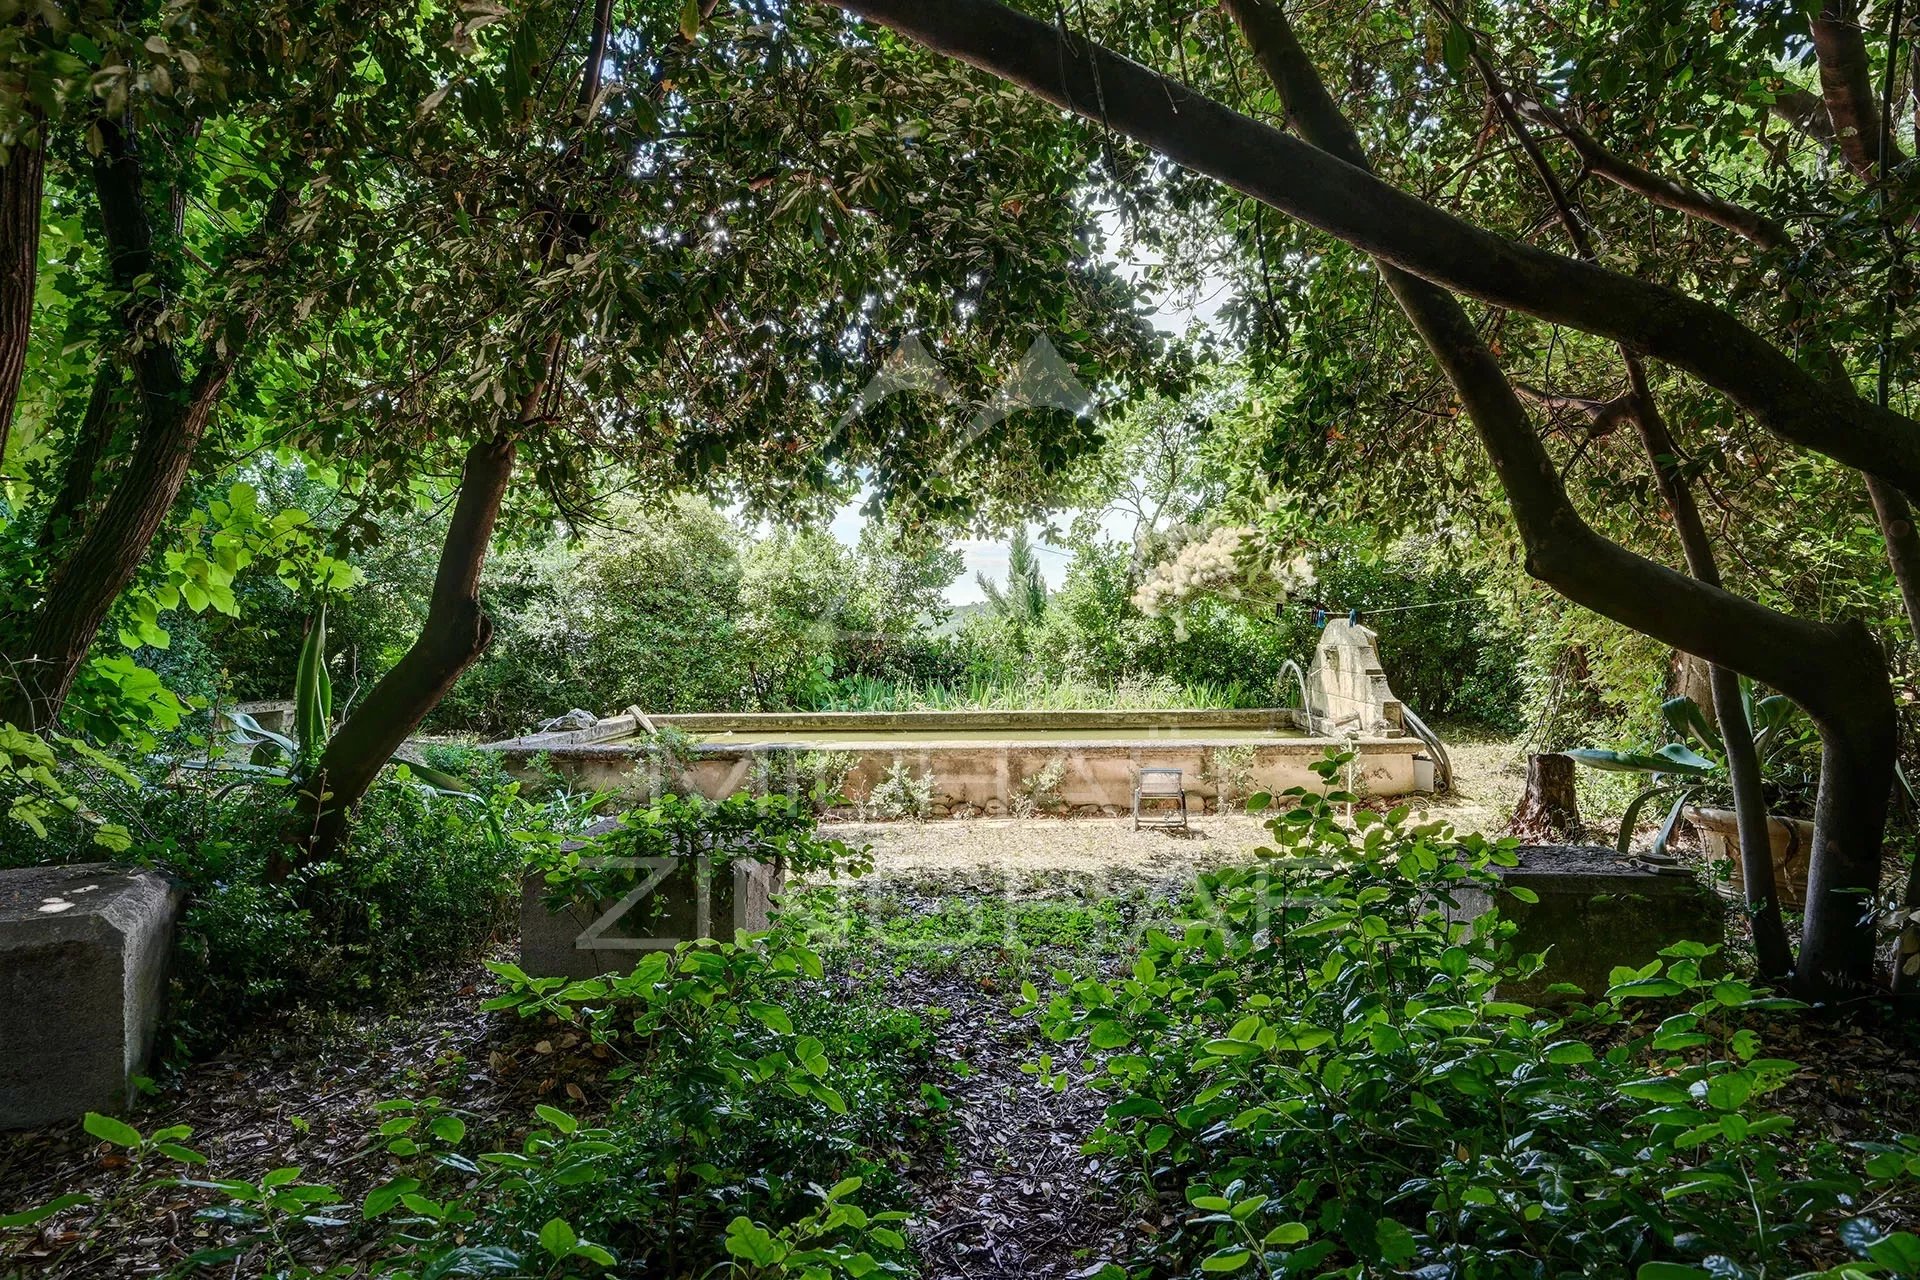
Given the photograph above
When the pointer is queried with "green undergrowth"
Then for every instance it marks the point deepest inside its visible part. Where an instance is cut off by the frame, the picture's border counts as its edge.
(1315, 1075)
(762, 1113)
(937, 927)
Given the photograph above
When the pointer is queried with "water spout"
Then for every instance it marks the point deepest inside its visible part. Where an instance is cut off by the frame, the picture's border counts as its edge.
(1300, 682)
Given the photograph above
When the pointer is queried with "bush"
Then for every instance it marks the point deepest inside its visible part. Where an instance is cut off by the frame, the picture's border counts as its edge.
(422, 881)
(779, 829)
(759, 1114)
(1319, 1067)
(1444, 653)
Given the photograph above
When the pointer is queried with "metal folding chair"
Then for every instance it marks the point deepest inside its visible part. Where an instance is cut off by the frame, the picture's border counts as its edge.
(1156, 785)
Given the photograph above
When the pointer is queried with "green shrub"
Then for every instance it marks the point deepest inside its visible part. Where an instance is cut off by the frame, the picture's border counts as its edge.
(779, 829)
(422, 881)
(1319, 1067)
(759, 1115)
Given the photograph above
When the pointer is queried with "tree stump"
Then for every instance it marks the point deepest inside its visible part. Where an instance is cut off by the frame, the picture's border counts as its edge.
(1549, 808)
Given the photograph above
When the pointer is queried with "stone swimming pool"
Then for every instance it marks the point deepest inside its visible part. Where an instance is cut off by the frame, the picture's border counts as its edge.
(979, 761)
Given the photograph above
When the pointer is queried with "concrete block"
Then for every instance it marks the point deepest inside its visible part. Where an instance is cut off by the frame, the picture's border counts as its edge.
(1596, 911)
(83, 968)
(694, 898)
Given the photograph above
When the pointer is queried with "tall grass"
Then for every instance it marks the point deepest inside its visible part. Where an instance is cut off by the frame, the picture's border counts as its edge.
(1152, 693)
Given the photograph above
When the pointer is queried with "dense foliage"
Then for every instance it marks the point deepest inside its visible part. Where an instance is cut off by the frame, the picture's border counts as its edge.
(1322, 1067)
(427, 881)
(755, 1126)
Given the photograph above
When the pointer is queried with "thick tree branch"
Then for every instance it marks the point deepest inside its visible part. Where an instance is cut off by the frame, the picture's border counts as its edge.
(1353, 205)
(1804, 111)
(457, 629)
(1846, 85)
(1316, 116)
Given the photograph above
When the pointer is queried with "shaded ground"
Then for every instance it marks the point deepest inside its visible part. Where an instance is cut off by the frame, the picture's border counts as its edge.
(955, 917)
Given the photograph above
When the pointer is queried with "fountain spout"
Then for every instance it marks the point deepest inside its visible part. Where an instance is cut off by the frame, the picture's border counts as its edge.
(1290, 667)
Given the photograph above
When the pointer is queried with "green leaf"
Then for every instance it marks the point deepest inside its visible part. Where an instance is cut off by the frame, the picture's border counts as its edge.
(1456, 49)
(560, 1120)
(108, 1129)
(32, 1217)
(1397, 1244)
(690, 19)
(1226, 1260)
(1567, 1052)
(557, 1238)
(384, 1197)
(1670, 1271)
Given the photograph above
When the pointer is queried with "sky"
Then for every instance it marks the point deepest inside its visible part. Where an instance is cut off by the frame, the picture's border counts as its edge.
(989, 556)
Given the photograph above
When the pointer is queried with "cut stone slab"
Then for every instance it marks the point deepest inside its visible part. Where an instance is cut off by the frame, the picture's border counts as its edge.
(693, 897)
(1596, 911)
(83, 968)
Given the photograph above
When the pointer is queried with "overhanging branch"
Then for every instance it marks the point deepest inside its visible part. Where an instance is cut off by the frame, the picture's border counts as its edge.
(1379, 219)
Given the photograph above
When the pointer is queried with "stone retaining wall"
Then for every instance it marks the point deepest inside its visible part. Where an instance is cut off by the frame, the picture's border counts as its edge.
(985, 777)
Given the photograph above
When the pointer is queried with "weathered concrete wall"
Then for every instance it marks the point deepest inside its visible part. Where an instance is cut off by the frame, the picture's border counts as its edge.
(838, 724)
(987, 776)
(83, 966)
(739, 896)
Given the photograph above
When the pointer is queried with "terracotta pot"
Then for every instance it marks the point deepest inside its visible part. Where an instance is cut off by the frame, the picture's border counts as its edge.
(1792, 850)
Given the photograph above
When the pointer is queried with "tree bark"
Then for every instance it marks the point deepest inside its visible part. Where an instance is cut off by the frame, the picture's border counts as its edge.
(1354, 206)
(457, 632)
(64, 514)
(1549, 808)
(1846, 90)
(22, 179)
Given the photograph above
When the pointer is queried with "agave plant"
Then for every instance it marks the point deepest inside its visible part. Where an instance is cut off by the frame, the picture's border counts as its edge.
(277, 757)
(1694, 765)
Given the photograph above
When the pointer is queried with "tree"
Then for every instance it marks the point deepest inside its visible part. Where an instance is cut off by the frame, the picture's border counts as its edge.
(640, 277)
(1022, 602)
(502, 259)
(1429, 255)
(202, 156)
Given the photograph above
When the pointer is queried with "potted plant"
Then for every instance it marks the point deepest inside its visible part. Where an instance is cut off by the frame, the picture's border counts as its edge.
(1690, 774)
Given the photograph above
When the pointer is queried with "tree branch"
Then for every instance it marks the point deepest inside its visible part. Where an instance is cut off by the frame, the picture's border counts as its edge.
(1665, 192)
(1846, 84)
(1356, 207)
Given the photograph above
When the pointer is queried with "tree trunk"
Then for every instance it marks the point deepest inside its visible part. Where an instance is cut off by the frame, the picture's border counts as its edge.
(456, 633)
(1837, 940)
(21, 183)
(174, 415)
(65, 514)
(1774, 951)
(1689, 677)
(1549, 809)
(457, 629)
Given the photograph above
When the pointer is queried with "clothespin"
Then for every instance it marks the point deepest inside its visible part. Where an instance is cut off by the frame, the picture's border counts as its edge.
(1319, 617)
(1353, 616)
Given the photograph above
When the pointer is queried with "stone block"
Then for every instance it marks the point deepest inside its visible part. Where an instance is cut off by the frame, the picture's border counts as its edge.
(83, 969)
(1596, 911)
(696, 897)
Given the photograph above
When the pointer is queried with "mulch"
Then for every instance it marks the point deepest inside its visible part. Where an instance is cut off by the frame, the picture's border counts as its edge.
(1009, 1194)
